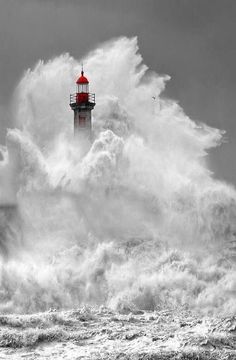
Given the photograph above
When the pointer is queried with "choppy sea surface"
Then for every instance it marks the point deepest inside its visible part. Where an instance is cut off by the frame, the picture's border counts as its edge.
(87, 333)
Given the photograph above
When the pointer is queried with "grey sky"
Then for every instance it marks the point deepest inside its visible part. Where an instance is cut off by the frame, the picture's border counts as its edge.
(191, 40)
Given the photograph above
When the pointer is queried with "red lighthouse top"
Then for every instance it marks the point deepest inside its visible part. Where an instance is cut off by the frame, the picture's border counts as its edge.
(82, 95)
(82, 79)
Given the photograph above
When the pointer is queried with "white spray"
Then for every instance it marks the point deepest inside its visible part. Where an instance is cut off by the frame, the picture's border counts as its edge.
(138, 221)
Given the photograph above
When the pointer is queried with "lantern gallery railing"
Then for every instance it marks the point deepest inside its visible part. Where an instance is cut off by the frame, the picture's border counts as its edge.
(74, 98)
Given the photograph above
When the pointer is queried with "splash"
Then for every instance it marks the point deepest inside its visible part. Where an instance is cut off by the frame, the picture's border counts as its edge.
(136, 222)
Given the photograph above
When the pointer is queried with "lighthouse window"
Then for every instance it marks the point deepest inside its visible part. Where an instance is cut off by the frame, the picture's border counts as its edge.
(83, 88)
(82, 121)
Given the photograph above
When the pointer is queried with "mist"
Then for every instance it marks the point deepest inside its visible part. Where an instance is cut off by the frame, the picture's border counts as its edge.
(138, 220)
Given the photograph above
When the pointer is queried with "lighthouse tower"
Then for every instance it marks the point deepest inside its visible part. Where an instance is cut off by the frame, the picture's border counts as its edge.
(82, 103)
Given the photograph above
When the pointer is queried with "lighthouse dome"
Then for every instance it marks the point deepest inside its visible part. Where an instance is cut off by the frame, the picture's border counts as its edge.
(82, 79)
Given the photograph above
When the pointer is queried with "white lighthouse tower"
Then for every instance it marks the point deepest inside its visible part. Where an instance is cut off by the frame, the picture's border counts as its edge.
(82, 103)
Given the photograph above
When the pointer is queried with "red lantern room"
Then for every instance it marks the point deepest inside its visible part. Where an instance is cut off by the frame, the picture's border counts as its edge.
(82, 94)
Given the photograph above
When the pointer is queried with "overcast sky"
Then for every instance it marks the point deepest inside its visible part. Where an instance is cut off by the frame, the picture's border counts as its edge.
(191, 40)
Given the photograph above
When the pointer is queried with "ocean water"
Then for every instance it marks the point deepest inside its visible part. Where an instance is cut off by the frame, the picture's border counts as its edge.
(119, 249)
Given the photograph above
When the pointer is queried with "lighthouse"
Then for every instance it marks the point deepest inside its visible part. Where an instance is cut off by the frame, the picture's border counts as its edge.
(82, 103)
